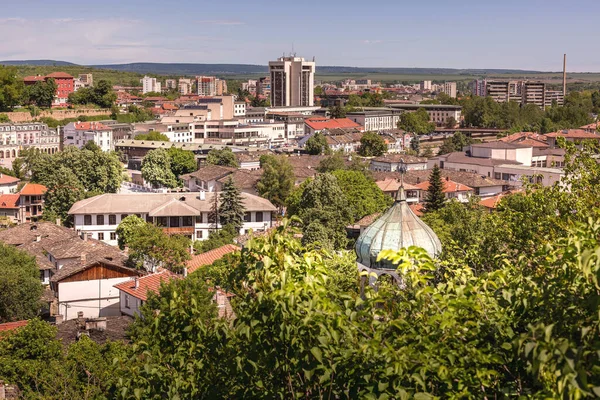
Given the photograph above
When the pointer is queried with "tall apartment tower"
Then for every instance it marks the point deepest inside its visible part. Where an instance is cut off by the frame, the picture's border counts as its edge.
(292, 82)
(150, 85)
(534, 93)
(479, 87)
(207, 85)
(450, 89)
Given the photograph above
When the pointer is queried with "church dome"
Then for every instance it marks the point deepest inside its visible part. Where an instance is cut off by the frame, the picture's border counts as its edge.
(397, 228)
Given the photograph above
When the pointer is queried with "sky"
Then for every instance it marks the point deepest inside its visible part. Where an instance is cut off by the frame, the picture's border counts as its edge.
(524, 34)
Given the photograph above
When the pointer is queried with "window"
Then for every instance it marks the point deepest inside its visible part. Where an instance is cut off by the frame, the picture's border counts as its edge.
(198, 234)
(247, 217)
(123, 216)
(112, 219)
(187, 221)
(161, 221)
(174, 222)
(113, 236)
(87, 219)
(101, 236)
(259, 216)
(99, 219)
(127, 301)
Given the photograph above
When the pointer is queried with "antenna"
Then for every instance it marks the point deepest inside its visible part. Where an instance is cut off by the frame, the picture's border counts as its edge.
(293, 54)
(565, 75)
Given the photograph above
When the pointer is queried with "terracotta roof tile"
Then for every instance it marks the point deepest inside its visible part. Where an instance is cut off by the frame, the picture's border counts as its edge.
(33, 189)
(449, 186)
(323, 123)
(9, 201)
(392, 185)
(574, 134)
(59, 75)
(91, 126)
(210, 257)
(146, 284)
(9, 326)
(7, 179)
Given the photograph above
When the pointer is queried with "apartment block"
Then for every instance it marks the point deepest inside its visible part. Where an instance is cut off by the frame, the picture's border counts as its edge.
(533, 93)
(207, 85)
(450, 89)
(16, 137)
(292, 82)
(150, 85)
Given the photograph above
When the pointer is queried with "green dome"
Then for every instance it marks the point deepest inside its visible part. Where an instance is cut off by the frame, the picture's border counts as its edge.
(397, 228)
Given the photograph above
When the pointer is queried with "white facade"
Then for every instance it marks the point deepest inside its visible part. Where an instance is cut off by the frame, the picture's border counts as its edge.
(450, 89)
(375, 121)
(292, 82)
(78, 135)
(392, 166)
(130, 305)
(207, 85)
(239, 109)
(95, 298)
(150, 85)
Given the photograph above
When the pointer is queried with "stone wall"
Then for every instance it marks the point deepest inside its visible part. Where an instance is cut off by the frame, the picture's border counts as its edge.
(25, 116)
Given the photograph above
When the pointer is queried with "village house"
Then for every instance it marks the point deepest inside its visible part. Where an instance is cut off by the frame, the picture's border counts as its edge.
(25, 206)
(451, 189)
(577, 136)
(8, 184)
(206, 178)
(393, 162)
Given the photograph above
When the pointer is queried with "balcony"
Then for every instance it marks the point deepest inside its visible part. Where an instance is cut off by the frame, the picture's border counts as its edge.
(183, 230)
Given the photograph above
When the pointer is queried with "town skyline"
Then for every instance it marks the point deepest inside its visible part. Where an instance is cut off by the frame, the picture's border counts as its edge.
(473, 36)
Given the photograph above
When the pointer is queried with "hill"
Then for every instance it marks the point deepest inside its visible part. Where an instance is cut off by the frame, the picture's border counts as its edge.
(38, 63)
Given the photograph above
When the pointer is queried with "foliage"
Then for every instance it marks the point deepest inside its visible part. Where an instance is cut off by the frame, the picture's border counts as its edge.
(317, 144)
(367, 99)
(372, 145)
(63, 190)
(182, 161)
(337, 112)
(156, 169)
(136, 114)
(20, 286)
(427, 152)
(332, 163)
(435, 197)
(416, 122)
(40, 94)
(277, 180)
(152, 136)
(127, 229)
(415, 144)
(101, 95)
(223, 157)
(457, 142)
(150, 247)
(231, 208)
(4, 118)
(11, 89)
(364, 196)
(217, 238)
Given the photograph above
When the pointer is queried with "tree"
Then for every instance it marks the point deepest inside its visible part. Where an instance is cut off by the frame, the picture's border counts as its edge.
(332, 163)
(372, 145)
(337, 112)
(317, 144)
(223, 157)
(150, 247)
(129, 228)
(101, 95)
(457, 142)
(156, 169)
(20, 286)
(152, 136)
(232, 208)
(4, 118)
(41, 93)
(427, 152)
(415, 144)
(182, 161)
(363, 195)
(416, 122)
(451, 123)
(11, 89)
(217, 238)
(277, 180)
(64, 190)
(435, 197)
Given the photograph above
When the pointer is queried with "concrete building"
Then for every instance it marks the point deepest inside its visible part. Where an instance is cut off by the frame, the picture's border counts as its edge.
(185, 86)
(221, 87)
(393, 162)
(150, 85)
(292, 82)
(425, 86)
(554, 96)
(450, 89)
(479, 87)
(185, 214)
(79, 133)
(207, 85)
(376, 119)
(15, 137)
(239, 109)
(64, 86)
(533, 93)
(170, 84)
(87, 79)
(263, 86)
(440, 114)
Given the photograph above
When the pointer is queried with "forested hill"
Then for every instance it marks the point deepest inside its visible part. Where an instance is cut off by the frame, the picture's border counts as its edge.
(243, 69)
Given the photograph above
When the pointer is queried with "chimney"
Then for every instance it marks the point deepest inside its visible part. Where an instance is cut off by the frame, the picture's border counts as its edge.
(136, 282)
(38, 238)
(58, 221)
(202, 195)
(418, 180)
(447, 179)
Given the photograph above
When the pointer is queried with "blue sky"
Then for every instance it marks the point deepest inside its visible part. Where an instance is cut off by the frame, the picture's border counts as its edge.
(525, 34)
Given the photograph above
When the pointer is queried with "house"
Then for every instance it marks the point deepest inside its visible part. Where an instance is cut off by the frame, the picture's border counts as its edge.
(9, 209)
(245, 180)
(65, 85)
(344, 140)
(186, 214)
(135, 291)
(208, 258)
(8, 184)
(206, 178)
(79, 133)
(573, 135)
(390, 186)
(317, 124)
(591, 128)
(393, 162)
(452, 190)
(531, 139)
(24, 206)
(482, 185)
(251, 161)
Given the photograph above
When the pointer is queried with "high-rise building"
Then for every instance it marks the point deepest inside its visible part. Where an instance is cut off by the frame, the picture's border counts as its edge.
(425, 86)
(292, 82)
(263, 86)
(450, 89)
(171, 84)
(533, 93)
(185, 86)
(554, 96)
(207, 85)
(479, 87)
(150, 85)
(221, 87)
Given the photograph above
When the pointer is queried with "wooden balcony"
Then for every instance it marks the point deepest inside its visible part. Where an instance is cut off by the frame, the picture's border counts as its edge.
(187, 230)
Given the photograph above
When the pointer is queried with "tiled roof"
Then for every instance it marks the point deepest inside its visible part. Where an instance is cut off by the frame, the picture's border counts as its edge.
(500, 145)
(244, 179)
(470, 179)
(210, 173)
(323, 123)
(91, 126)
(518, 136)
(462, 158)
(396, 158)
(77, 266)
(210, 257)
(534, 143)
(449, 186)
(59, 75)
(33, 189)
(368, 220)
(9, 326)
(574, 134)
(7, 179)
(344, 138)
(593, 126)
(9, 201)
(392, 185)
(146, 284)
(417, 209)
(28, 232)
(250, 157)
(35, 78)
(492, 202)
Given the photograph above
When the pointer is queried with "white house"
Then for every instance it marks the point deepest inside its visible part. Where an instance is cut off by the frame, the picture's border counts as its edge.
(206, 178)
(8, 184)
(186, 214)
(452, 190)
(79, 133)
(393, 162)
(134, 291)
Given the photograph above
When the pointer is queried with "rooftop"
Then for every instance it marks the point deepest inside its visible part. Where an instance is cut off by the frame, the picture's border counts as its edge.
(461, 158)
(210, 257)
(449, 186)
(8, 180)
(33, 189)
(323, 123)
(91, 126)
(574, 134)
(142, 286)
(210, 173)
(396, 158)
(500, 145)
(9, 201)
(9, 326)
(29, 232)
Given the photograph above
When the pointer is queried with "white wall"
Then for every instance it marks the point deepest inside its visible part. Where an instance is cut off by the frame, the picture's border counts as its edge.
(7, 189)
(490, 191)
(134, 305)
(95, 298)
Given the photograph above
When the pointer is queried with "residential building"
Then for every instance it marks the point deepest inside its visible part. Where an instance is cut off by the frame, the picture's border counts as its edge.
(239, 109)
(572, 135)
(8, 184)
(207, 85)
(121, 131)
(134, 292)
(344, 140)
(250, 86)
(391, 185)
(206, 178)
(171, 84)
(479, 87)
(185, 86)
(24, 206)
(451, 189)
(393, 162)
(263, 86)
(185, 214)
(150, 84)
(64, 86)
(79, 133)
(293, 121)
(77, 84)
(221, 87)
(482, 186)
(591, 128)
(317, 124)
(440, 114)
(425, 86)
(353, 85)
(15, 137)
(255, 114)
(86, 79)
(501, 91)
(552, 96)
(533, 93)
(292, 82)
(376, 119)
(450, 89)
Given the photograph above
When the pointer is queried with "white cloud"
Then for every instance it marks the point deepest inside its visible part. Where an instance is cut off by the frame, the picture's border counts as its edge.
(221, 22)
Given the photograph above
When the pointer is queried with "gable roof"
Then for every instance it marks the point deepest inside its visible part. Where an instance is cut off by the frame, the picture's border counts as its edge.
(59, 74)
(33, 189)
(9, 326)
(210, 257)
(244, 179)
(91, 126)
(146, 284)
(392, 185)
(7, 179)
(175, 207)
(77, 266)
(449, 186)
(9, 201)
(574, 134)
(29, 232)
(318, 124)
(210, 173)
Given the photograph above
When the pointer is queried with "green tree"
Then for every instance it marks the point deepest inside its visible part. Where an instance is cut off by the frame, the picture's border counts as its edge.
(41, 93)
(332, 163)
(129, 228)
(11, 89)
(317, 144)
(363, 195)
(415, 144)
(372, 145)
(457, 142)
(416, 122)
(64, 190)
(20, 286)
(223, 157)
(337, 112)
(152, 136)
(427, 152)
(150, 247)
(232, 208)
(435, 197)
(156, 169)
(182, 161)
(217, 238)
(4, 118)
(277, 180)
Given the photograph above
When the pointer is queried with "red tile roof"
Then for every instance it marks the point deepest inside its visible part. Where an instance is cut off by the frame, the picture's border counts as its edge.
(146, 284)
(7, 179)
(392, 185)
(210, 257)
(33, 189)
(417, 209)
(36, 78)
(518, 136)
(9, 201)
(91, 126)
(9, 326)
(534, 143)
(59, 75)
(574, 134)
(594, 126)
(449, 186)
(322, 123)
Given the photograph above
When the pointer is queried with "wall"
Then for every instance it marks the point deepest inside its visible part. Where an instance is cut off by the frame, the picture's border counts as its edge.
(25, 116)
(134, 305)
(96, 298)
